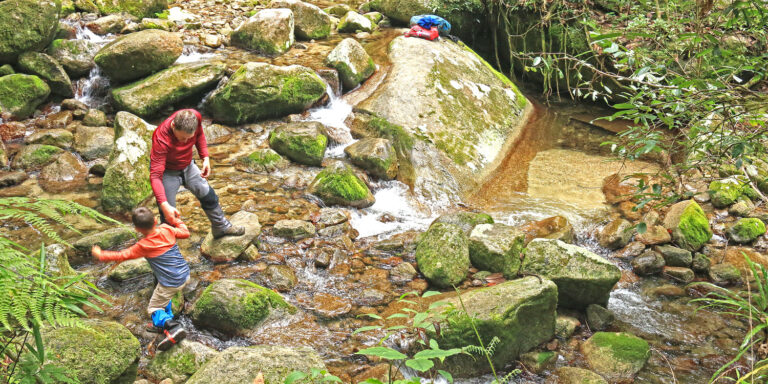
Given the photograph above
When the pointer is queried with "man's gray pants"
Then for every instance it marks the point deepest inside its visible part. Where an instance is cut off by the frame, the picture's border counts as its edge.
(191, 179)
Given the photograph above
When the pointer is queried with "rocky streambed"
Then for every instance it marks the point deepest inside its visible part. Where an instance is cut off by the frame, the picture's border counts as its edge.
(364, 166)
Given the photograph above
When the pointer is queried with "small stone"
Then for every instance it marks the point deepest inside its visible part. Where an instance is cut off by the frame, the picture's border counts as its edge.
(616, 356)
(598, 317)
(326, 305)
(656, 234)
(402, 273)
(213, 41)
(573, 375)
(57, 137)
(217, 134)
(9, 179)
(565, 326)
(700, 263)
(538, 362)
(616, 234)
(107, 24)
(742, 207)
(294, 229)
(280, 277)
(680, 274)
(649, 263)
(632, 250)
(95, 118)
(746, 230)
(130, 269)
(629, 210)
(675, 257)
(353, 22)
(373, 297)
(58, 120)
(724, 273)
(668, 290)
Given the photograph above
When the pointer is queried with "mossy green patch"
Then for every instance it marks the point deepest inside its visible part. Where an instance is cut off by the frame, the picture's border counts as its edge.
(694, 230)
(344, 184)
(623, 346)
(138, 8)
(443, 255)
(21, 94)
(746, 230)
(27, 25)
(303, 143)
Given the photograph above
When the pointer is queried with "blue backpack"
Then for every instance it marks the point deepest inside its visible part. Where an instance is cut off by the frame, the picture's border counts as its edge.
(429, 21)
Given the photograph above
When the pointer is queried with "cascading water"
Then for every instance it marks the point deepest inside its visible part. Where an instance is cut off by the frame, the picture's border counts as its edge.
(94, 89)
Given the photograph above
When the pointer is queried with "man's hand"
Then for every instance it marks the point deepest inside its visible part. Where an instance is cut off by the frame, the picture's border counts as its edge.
(171, 214)
(96, 252)
(206, 171)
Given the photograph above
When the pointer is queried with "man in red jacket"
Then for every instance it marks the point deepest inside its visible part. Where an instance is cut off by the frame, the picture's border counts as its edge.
(171, 166)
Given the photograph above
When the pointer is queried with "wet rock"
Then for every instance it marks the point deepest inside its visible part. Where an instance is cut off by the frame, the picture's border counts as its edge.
(139, 54)
(681, 274)
(102, 352)
(675, 257)
(376, 156)
(64, 174)
(656, 234)
(374, 17)
(742, 207)
(180, 362)
(76, 56)
(12, 130)
(238, 365)
(632, 250)
(165, 25)
(466, 221)
(110, 239)
(724, 273)
(229, 248)
(616, 234)
(538, 362)
(617, 190)
(338, 184)
(58, 120)
(726, 192)
(373, 297)
(216, 134)
(353, 22)
(598, 317)
(700, 263)
(497, 248)
(310, 21)
(212, 41)
(9, 179)
(95, 118)
(565, 326)
(148, 96)
(326, 305)
(29, 25)
(402, 273)
(130, 269)
(94, 142)
(126, 181)
(688, 224)
(263, 160)
(331, 77)
(616, 356)
(302, 142)
(57, 262)
(582, 277)
(73, 105)
(258, 91)
(21, 94)
(668, 290)
(233, 306)
(294, 229)
(649, 263)
(443, 255)
(573, 375)
(56, 137)
(137, 8)
(330, 216)
(521, 313)
(555, 227)
(629, 210)
(46, 68)
(269, 31)
(280, 278)
(745, 230)
(338, 10)
(107, 24)
(35, 156)
(352, 62)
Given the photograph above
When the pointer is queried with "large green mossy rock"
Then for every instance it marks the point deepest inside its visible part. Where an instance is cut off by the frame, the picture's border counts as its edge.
(126, 181)
(269, 31)
(302, 142)
(467, 221)
(310, 22)
(582, 277)
(35, 156)
(353, 22)
(109, 239)
(497, 248)
(139, 54)
(76, 56)
(443, 255)
(725, 192)
(180, 362)
(148, 96)
(20, 94)
(352, 62)
(103, 352)
(374, 155)
(521, 313)
(238, 365)
(46, 68)
(746, 230)
(259, 91)
(338, 184)
(616, 356)
(688, 224)
(138, 8)
(234, 306)
(26, 25)
(263, 160)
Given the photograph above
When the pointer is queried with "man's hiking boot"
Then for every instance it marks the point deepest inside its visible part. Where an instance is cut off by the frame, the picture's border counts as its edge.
(231, 231)
(174, 334)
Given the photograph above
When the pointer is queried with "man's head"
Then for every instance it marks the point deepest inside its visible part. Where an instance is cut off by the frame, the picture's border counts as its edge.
(184, 125)
(143, 219)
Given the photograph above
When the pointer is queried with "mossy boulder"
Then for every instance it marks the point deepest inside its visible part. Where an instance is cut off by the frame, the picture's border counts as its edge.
(261, 160)
(35, 156)
(94, 142)
(727, 191)
(27, 25)
(109, 239)
(139, 54)
(310, 22)
(153, 23)
(130, 269)
(138, 8)
(61, 138)
(616, 356)
(46, 68)
(237, 365)
(259, 91)
(6, 70)
(338, 10)
(180, 362)
(442, 255)
(746, 230)
(352, 62)
(375, 155)
(338, 184)
(148, 96)
(21, 94)
(229, 248)
(64, 174)
(467, 221)
(126, 181)
(497, 248)
(75, 56)
(234, 306)
(108, 24)
(354, 22)
(521, 313)
(302, 142)
(573, 375)
(582, 277)
(100, 353)
(269, 31)
(688, 224)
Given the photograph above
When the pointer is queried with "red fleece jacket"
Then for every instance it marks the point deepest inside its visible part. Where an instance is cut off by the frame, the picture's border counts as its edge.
(171, 154)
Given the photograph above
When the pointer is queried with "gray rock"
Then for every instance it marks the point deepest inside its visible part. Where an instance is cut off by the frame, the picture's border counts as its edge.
(310, 21)
(353, 22)
(649, 263)
(110, 239)
(294, 229)
(352, 62)
(280, 278)
(46, 68)
(180, 362)
(66, 173)
(616, 234)
(61, 138)
(443, 255)
(679, 274)
(269, 31)
(302, 142)
(229, 248)
(94, 142)
(598, 317)
(376, 156)
(724, 273)
(675, 257)
(130, 269)
(338, 184)
(402, 273)
(107, 24)
(139, 54)
(700, 263)
(95, 118)
(497, 248)
(28, 25)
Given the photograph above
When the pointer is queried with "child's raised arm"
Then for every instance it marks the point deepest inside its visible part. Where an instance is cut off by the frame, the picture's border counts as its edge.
(132, 252)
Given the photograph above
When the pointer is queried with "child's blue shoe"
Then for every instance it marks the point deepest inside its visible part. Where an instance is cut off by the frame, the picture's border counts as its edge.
(160, 317)
(169, 308)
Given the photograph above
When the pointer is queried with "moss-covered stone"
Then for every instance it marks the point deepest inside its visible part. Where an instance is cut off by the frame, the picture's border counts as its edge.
(746, 230)
(573, 375)
(303, 142)
(87, 6)
(6, 70)
(258, 91)
(35, 156)
(338, 184)
(75, 56)
(725, 192)
(46, 68)
(110, 239)
(616, 356)
(61, 138)
(352, 62)
(139, 54)
(130, 269)
(100, 353)
(582, 277)
(465, 16)
(688, 224)
(465, 220)
(375, 155)
(367, 125)
(94, 142)
(269, 31)
(354, 22)
(260, 160)
(238, 365)
(235, 305)
(180, 362)
(180, 82)
(229, 248)
(497, 248)
(616, 234)
(20, 94)
(138, 8)
(442, 255)
(27, 25)
(64, 174)
(310, 21)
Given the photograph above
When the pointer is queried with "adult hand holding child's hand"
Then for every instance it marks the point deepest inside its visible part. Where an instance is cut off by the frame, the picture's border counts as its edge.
(171, 214)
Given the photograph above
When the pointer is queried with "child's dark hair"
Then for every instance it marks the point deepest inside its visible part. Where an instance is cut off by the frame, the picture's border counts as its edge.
(143, 218)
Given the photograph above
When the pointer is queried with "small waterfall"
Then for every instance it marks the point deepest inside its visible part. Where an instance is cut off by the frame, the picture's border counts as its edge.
(94, 89)
(334, 115)
(191, 54)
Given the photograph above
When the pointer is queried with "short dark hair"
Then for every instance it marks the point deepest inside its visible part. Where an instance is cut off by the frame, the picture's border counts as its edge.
(186, 121)
(143, 218)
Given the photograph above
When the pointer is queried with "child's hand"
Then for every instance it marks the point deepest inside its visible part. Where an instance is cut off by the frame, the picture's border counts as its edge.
(96, 252)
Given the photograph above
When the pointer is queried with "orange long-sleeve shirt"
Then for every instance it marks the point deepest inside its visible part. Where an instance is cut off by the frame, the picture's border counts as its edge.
(153, 245)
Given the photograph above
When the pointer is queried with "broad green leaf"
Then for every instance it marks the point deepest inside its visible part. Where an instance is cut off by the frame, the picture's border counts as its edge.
(420, 365)
(383, 352)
